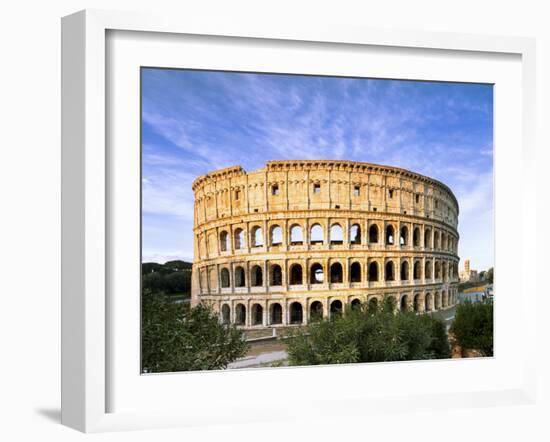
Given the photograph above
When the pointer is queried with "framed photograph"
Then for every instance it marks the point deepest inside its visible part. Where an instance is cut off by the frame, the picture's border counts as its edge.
(291, 222)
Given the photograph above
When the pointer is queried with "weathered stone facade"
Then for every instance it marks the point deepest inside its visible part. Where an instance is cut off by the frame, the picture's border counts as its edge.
(276, 246)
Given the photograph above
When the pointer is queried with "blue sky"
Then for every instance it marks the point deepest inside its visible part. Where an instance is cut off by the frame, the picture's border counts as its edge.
(194, 122)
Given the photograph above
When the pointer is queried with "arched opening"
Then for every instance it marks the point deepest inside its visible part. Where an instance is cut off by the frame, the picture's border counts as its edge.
(428, 302)
(372, 305)
(239, 240)
(257, 237)
(317, 274)
(257, 314)
(296, 235)
(296, 274)
(276, 235)
(224, 245)
(355, 234)
(316, 234)
(336, 273)
(276, 275)
(336, 234)
(355, 272)
(436, 240)
(239, 277)
(390, 232)
(416, 303)
(373, 271)
(373, 234)
(256, 276)
(438, 301)
(316, 311)
(240, 314)
(404, 236)
(444, 241)
(428, 270)
(404, 305)
(356, 304)
(444, 271)
(416, 237)
(405, 271)
(427, 238)
(226, 314)
(276, 314)
(437, 270)
(417, 270)
(336, 308)
(224, 275)
(389, 271)
(296, 313)
(444, 299)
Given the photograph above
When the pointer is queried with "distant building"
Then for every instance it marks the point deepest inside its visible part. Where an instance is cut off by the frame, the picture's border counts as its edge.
(468, 274)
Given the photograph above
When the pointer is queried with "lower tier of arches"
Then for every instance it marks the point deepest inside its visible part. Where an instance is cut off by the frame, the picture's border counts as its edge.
(255, 312)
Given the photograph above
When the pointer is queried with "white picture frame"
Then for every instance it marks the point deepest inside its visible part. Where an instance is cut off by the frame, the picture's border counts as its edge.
(87, 356)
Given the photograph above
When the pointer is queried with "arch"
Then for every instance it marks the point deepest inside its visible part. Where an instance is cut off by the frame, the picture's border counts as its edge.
(373, 234)
(276, 275)
(239, 239)
(240, 314)
(428, 238)
(437, 244)
(417, 270)
(336, 273)
(372, 305)
(356, 304)
(224, 275)
(226, 314)
(390, 235)
(404, 236)
(296, 274)
(316, 311)
(240, 280)
(213, 279)
(355, 272)
(404, 303)
(336, 308)
(336, 234)
(428, 269)
(416, 303)
(404, 270)
(256, 276)
(224, 241)
(257, 237)
(276, 234)
(428, 302)
(296, 235)
(416, 237)
(355, 234)
(317, 274)
(373, 271)
(316, 234)
(389, 273)
(296, 313)
(443, 241)
(444, 299)
(437, 301)
(444, 271)
(276, 313)
(257, 317)
(437, 270)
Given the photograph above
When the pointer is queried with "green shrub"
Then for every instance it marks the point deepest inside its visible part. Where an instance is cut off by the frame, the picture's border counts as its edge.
(473, 327)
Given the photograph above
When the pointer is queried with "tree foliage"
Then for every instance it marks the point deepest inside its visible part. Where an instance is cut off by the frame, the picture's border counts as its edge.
(370, 334)
(178, 338)
(473, 327)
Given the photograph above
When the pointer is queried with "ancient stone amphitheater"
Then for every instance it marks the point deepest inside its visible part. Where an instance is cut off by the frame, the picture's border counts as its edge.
(299, 240)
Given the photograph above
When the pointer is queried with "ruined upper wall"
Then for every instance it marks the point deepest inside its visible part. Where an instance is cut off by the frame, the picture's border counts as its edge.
(321, 185)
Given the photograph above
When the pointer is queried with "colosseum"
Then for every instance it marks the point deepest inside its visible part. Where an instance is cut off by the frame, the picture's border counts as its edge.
(299, 240)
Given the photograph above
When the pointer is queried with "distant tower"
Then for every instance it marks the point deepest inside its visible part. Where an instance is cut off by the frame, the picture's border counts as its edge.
(467, 266)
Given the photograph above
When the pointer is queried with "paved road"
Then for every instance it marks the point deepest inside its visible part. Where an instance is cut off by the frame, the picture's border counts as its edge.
(263, 358)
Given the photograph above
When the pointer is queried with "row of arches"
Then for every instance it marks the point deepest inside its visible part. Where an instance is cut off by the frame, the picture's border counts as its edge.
(335, 235)
(335, 273)
(300, 312)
